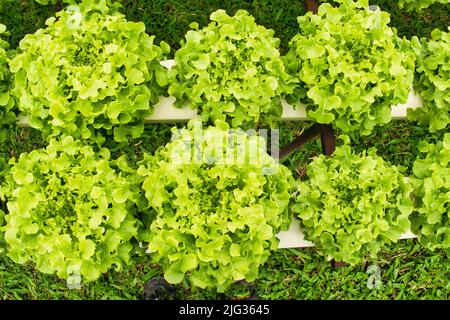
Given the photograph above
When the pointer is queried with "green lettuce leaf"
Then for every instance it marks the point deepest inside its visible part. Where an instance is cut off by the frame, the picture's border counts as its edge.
(7, 118)
(7, 102)
(418, 4)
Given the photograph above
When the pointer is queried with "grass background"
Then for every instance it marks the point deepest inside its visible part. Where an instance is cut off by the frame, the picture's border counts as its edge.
(408, 270)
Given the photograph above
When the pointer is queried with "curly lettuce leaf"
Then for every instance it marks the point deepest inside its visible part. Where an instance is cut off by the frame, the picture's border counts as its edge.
(7, 102)
(7, 117)
(418, 4)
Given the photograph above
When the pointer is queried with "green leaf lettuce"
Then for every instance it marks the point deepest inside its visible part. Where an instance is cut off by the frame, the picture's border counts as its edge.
(215, 218)
(431, 181)
(231, 70)
(71, 210)
(90, 72)
(353, 204)
(351, 66)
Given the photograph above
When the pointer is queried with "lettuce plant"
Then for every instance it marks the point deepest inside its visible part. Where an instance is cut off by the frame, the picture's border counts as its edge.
(230, 70)
(353, 204)
(70, 210)
(433, 80)
(7, 117)
(351, 65)
(216, 205)
(6, 101)
(89, 72)
(418, 4)
(431, 182)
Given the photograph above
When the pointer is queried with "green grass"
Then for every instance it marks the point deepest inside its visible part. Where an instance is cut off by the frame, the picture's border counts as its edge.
(420, 24)
(408, 270)
(23, 17)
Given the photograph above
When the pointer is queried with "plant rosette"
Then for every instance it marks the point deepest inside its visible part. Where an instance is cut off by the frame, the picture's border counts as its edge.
(71, 211)
(217, 205)
(231, 70)
(89, 72)
(418, 4)
(353, 204)
(433, 80)
(431, 182)
(351, 66)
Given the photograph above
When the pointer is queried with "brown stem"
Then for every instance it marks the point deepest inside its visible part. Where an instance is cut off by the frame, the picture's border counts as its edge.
(328, 140)
(306, 136)
(338, 264)
(326, 136)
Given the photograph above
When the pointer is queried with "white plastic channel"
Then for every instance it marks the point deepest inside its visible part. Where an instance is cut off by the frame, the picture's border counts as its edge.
(295, 238)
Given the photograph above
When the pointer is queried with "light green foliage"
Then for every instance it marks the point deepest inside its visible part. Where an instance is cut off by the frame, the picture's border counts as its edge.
(353, 204)
(6, 115)
(215, 217)
(6, 100)
(351, 65)
(89, 72)
(433, 80)
(45, 2)
(431, 181)
(231, 70)
(418, 4)
(71, 210)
